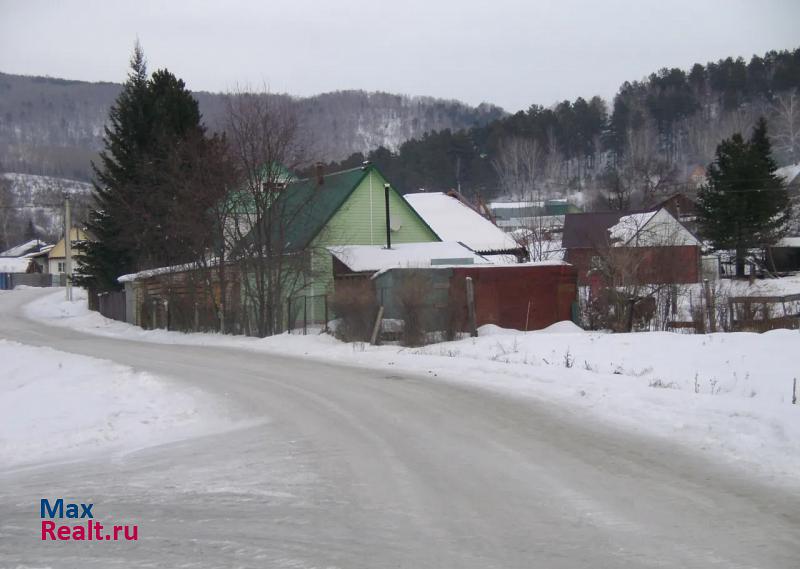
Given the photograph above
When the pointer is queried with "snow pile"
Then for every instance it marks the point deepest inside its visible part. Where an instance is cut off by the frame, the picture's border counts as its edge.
(57, 406)
(726, 395)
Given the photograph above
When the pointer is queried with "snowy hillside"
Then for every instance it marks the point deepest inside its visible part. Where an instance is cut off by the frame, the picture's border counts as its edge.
(55, 126)
(32, 189)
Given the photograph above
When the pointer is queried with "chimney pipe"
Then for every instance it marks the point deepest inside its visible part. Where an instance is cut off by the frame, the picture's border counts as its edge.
(320, 174)
(388, 228)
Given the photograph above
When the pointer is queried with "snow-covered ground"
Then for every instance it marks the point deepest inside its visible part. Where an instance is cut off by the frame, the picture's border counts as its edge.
(726, 395)
(57, 406)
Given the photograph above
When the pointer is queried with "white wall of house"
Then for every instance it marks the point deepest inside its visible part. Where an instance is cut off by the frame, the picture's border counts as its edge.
(56, 266)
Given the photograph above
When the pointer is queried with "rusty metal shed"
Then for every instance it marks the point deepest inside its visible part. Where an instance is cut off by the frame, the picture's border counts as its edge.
(526, 296)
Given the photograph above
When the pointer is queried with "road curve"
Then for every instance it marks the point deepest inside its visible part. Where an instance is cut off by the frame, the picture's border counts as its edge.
(355, 468)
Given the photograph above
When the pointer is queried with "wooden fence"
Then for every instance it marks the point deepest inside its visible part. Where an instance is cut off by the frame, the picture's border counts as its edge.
(762, 313)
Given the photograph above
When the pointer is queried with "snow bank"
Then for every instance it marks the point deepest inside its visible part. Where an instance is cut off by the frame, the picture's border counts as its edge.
(57, 406)
(724, 395)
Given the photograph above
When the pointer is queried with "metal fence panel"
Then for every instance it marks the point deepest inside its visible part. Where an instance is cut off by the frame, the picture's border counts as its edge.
(112, 305)
(31, 279)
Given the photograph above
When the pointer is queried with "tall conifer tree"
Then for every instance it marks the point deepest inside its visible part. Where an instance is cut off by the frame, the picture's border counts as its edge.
(130, 222)
(743, 205)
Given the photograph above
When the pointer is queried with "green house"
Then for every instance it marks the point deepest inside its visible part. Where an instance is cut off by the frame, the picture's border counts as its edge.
(560, 207)
(342, 208)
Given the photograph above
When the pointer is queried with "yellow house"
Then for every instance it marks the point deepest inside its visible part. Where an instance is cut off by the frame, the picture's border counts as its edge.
(56, 258)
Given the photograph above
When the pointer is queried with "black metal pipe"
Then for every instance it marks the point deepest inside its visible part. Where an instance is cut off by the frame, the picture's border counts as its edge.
(388, 228)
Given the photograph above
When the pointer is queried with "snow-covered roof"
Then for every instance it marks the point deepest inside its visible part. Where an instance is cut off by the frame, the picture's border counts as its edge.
(532, 222)
(43, 251)
(22, 249)
(515, 205)
(629, 225)
(364, 258)
(453, 220)
(14, 264)
(789, 242)
(146, 274)
(651, 229)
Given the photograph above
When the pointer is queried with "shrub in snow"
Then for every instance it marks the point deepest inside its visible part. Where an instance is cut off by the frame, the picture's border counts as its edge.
(355, 307)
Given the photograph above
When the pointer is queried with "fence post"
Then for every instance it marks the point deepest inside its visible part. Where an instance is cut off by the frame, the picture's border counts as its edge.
(794, 391)
(373, 340)
(166, 314)
(731, 314)
(326, 312)
(712, 321)
(528, 315)
(473, 328)
(154, 313)
(289, 323)
(305, 315)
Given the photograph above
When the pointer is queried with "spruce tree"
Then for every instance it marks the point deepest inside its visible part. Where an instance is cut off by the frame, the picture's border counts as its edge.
(109, 253)
(130, 223)
(743, 204)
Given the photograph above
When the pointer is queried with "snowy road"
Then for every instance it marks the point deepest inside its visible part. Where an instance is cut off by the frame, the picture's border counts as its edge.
(367, 469)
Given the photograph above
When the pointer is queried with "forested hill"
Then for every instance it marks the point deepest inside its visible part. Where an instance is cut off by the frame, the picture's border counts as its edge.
(646, 142)
(55, 126)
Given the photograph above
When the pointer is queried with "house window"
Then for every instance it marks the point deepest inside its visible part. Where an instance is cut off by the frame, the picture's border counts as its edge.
(62, 266)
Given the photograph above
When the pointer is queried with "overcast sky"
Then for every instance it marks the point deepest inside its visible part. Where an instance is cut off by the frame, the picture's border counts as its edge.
(509, 52)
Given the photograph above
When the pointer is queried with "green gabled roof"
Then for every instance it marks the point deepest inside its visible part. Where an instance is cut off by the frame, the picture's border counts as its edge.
(310, 206)
(242, 202)
(313, 205)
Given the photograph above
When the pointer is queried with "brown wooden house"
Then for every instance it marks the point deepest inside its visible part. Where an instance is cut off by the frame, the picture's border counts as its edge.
(653, 247)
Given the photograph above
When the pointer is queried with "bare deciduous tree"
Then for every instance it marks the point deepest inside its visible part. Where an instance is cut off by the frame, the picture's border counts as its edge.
(786, 120)
(518, 165)
(641, 173)
(201, 172)
(522, 168)
(263, 135)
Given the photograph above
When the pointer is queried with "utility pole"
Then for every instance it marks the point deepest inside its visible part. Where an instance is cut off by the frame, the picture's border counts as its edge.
(68, 245)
